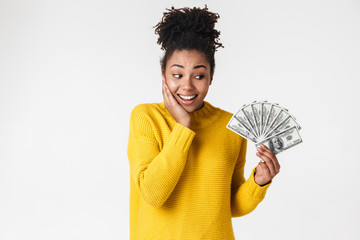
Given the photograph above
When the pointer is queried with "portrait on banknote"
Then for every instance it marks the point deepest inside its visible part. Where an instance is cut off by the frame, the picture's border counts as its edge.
(276, 145)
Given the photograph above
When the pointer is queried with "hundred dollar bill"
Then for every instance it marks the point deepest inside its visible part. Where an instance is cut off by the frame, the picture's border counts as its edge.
(235, 126)
(266, 107)
(281, 116)
(240, 116)
(256, 108)
(288, 122)
(247, 110)
(282, 140)
(274, 111)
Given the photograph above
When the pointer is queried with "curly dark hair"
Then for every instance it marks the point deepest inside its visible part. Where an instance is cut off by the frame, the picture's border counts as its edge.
(188, 29)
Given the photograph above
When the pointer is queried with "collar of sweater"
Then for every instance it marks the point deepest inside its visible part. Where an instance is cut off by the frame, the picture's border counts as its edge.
(200, 118)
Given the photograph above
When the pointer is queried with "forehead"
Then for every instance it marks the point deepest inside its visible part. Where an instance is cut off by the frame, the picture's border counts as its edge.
(188, 58)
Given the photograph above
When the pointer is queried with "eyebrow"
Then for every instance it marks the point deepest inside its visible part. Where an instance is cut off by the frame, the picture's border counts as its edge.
(196, 67)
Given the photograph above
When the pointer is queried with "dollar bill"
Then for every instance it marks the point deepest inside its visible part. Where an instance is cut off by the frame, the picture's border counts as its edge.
(266, 107)
(274, 111)
(267, 123)
(240, 116)
(282, 140)
(256, 108)
(235, 126)
(248, 112)
(280, 117)
(288, 122)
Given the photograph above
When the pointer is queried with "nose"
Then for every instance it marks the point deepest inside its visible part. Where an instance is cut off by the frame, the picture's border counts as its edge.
(186, 83)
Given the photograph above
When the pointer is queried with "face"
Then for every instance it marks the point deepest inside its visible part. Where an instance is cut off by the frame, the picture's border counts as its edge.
(276, 142)
(188, 76)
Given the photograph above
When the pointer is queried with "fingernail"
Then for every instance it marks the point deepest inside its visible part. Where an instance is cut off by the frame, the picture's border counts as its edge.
(259, 149)
(262, 145)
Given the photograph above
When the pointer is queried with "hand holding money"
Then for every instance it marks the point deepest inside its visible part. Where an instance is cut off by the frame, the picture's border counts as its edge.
(267, 170)
(272, 129)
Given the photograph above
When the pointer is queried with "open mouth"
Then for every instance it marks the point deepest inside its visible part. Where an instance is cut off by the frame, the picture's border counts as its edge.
(187, 100)
(187, 97)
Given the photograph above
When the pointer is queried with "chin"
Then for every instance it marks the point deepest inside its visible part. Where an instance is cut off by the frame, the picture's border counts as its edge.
(188, 109)
(191, 109)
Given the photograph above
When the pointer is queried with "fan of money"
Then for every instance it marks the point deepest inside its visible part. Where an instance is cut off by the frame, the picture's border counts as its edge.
(266, 123)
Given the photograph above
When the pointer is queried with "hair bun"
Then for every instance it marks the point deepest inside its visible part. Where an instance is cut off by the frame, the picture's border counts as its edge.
(177, 25)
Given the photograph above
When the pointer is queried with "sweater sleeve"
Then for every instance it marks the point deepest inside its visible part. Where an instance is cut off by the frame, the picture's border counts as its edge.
(156, 172)
(245, 195)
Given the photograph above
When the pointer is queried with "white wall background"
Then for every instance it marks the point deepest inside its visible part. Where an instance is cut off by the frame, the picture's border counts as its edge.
(71, 71)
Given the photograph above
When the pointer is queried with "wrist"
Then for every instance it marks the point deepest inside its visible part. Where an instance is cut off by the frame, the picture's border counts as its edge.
(260, 182)
(264, 184)
(185, 123)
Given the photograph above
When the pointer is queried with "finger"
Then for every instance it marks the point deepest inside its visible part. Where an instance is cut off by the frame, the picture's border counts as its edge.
(266, 173)
(274, 158)
(268, 162)
(277, 164)
(168, 98)
(271, 155)
(163, 87)
(169, 94)
(166, 88)
(265, 148)
(165, 95)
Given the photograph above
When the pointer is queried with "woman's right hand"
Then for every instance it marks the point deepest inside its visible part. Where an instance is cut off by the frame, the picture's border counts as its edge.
(174, 108)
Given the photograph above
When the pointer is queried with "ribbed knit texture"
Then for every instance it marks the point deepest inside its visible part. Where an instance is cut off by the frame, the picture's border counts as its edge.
(187, 183)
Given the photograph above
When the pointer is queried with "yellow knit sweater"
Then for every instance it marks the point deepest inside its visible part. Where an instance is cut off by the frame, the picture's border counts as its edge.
(187, 183)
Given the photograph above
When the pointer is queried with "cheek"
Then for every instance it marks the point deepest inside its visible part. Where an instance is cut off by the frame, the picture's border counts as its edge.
(173, 86)
(203, 87)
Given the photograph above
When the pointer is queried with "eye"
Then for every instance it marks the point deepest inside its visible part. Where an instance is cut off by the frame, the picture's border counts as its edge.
(177, 75)
(199, 77)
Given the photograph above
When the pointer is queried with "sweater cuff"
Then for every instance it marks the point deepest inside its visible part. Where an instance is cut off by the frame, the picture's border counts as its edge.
(181, 137)
(255, 190)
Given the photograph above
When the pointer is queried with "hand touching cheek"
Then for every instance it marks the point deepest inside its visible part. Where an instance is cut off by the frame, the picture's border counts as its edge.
(174, 108)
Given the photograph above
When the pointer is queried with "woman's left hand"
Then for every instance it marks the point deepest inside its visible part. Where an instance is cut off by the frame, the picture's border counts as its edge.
(266, 171)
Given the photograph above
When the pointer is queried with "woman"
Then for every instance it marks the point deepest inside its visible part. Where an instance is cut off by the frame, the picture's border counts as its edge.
(187, 169)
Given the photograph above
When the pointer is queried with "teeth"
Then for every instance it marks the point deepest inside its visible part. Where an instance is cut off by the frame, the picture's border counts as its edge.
(187, 97)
